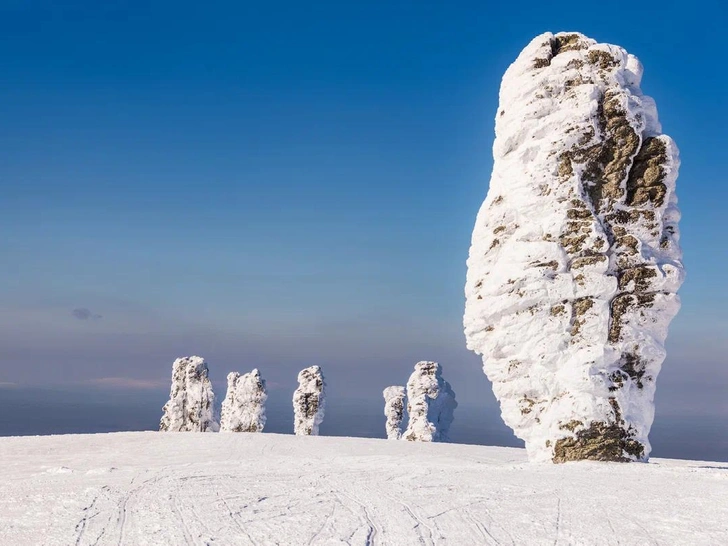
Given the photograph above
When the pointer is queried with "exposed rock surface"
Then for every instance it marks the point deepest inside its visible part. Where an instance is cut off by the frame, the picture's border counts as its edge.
(309, 402)
(394, 403)
(575, 259)
(430, 404)
(243, 409)
(191, 400)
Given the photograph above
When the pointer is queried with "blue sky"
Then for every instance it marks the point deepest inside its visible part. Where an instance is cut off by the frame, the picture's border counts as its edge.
(280, 184)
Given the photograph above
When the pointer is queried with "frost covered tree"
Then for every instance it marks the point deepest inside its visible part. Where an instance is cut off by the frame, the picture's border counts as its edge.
(430, 404)
(394, 402)
(243, 409)
(191, 401)
(575, 259)
(309, 402)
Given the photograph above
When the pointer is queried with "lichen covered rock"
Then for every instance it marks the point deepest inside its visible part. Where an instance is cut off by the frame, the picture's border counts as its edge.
(309, 402)
(394, 404)
(430, 404)
(575, 259)
(243, 409)
(191, 403)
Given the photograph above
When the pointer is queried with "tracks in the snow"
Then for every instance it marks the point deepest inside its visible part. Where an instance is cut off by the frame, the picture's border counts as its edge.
(88, 516)
(232, 516)
(372, 527)
(419, 524)
(203, 508)
(267, 489)
(126, 504)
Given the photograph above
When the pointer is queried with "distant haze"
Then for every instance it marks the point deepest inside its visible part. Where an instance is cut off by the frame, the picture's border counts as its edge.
(33, 411)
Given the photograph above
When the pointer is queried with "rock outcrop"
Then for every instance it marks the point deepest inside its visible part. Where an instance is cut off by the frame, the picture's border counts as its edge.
(430, 404)
(575, 259)
(394, 404)
(309, 402)
(191, 400)
(243, 409)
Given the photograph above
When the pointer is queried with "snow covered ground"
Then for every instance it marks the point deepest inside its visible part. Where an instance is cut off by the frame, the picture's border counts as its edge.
(143, 488)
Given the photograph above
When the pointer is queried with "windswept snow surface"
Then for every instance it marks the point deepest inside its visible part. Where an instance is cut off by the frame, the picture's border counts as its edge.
(146, 488)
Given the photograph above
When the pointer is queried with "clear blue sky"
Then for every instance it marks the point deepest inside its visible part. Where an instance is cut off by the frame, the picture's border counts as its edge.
(284, 184)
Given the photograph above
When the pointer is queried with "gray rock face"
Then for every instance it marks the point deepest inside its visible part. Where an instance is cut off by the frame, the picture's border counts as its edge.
(309, 402)
(430, 404)
(191, 400)
(243, 409)
(394, 403)
(575, 259)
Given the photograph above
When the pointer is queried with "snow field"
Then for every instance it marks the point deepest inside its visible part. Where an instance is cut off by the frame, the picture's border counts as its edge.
(146, 488)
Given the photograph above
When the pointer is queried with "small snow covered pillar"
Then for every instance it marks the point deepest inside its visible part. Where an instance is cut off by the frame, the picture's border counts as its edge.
(191, 400)
(575, 260)
(394, 401)
(243, 409)
(309, 402)
(430, 404)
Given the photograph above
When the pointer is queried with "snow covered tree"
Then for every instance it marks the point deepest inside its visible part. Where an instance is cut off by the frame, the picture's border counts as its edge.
(575, 260)
(309, 402)
(191, 401)
(394, 401)
(430, 404)
(243, 409)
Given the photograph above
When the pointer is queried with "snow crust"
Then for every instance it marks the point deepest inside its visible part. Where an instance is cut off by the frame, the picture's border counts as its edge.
(309, 402)
(430, 404)
(191, 402)
(238, 489)
(394, 404)
(575, 259)
(243, 409)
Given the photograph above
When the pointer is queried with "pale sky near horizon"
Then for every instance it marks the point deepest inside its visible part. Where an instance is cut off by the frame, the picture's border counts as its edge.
(283, 185)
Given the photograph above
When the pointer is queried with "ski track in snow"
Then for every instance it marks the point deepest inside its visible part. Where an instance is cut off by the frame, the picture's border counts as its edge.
(261, 489)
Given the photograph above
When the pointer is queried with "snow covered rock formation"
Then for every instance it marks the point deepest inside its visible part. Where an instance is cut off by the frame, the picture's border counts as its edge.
(394, 401)
(243, 409)
(430, 404)
(575, 259)
(191, 401)
(309, 402)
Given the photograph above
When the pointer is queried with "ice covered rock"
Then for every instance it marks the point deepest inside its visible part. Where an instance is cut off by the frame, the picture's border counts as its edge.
(191, 401)
(430, 404)
(394, 401)
(575, 259)
(243, 409)
(309, 402)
